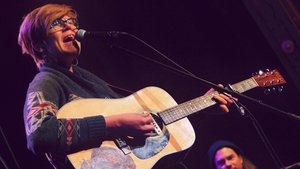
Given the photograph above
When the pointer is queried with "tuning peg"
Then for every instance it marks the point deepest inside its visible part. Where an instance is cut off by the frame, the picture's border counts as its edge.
(258, 73)
(270, 90)
(261, 72)
(267, 91)
(280, 88)
(254, 74)
(273, 90)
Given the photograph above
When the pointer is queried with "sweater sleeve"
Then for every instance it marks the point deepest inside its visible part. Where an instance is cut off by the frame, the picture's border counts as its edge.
(46, 133)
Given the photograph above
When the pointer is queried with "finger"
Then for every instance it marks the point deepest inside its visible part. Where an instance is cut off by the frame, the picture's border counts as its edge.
(147, 127)
(220, 85)
(224, 108)
(220, 99)
(145, 113)
(229, 96)
(225, 97)
(147, 120)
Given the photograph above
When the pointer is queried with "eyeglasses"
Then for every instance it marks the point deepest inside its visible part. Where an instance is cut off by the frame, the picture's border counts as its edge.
(60, 23)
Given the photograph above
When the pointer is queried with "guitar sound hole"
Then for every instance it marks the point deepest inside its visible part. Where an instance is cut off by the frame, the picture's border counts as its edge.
(153, 144)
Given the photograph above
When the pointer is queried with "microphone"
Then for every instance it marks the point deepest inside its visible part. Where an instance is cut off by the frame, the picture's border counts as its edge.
(82, 35)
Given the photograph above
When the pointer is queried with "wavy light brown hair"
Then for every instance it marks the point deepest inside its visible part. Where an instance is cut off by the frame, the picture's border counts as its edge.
(35, 28)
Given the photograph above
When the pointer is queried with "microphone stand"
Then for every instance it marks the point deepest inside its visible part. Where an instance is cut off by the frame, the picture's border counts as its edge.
(231, 93)
(244, 111)
(203, 81)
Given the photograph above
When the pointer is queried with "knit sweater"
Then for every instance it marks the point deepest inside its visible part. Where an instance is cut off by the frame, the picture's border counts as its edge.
(50, 89)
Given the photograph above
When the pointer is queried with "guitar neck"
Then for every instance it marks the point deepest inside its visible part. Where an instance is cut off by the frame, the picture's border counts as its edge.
(187, 108)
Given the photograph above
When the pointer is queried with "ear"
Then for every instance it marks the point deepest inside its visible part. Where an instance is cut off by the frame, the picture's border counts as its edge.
(241, 158)
(40, 50)
(40, 47)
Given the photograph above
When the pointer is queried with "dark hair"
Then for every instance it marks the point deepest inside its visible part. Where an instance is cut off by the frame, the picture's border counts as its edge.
(35, 27)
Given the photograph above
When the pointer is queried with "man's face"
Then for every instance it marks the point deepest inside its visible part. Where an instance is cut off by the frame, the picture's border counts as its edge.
(227, 158)
(61, 42)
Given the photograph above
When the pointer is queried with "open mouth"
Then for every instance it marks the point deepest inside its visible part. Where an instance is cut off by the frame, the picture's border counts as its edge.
(69, 38)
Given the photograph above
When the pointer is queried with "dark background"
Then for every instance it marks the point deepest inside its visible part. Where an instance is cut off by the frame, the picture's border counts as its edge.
(214, 39)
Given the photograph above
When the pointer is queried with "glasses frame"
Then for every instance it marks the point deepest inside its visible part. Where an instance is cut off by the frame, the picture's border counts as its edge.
(62, 22)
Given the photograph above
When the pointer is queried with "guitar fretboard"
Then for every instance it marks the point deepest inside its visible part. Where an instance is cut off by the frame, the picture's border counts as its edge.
(187, 108)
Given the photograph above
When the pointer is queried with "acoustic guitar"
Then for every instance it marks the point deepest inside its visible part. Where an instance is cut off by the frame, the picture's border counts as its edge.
(173, 131)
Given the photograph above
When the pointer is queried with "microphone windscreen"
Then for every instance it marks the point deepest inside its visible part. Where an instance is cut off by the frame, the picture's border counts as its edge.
(80, 35)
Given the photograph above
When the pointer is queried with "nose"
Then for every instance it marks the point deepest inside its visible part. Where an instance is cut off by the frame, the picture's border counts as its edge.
(68, 25)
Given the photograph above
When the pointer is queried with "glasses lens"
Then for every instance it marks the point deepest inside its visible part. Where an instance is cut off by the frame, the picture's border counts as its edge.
(71, 21)
(61, 23)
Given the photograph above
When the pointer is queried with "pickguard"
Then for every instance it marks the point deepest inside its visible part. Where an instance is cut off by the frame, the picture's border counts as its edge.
(152, 146)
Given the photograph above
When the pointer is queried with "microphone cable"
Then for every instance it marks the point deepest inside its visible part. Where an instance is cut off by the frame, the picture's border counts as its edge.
(10, 151)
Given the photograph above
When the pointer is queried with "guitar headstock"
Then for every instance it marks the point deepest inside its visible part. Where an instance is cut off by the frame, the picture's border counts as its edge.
(269, 78)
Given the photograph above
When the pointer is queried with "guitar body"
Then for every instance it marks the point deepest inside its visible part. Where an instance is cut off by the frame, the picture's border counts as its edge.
(176, 137)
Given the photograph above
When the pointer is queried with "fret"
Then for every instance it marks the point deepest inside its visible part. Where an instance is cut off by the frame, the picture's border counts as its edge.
(187, 108)
(244, 85)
